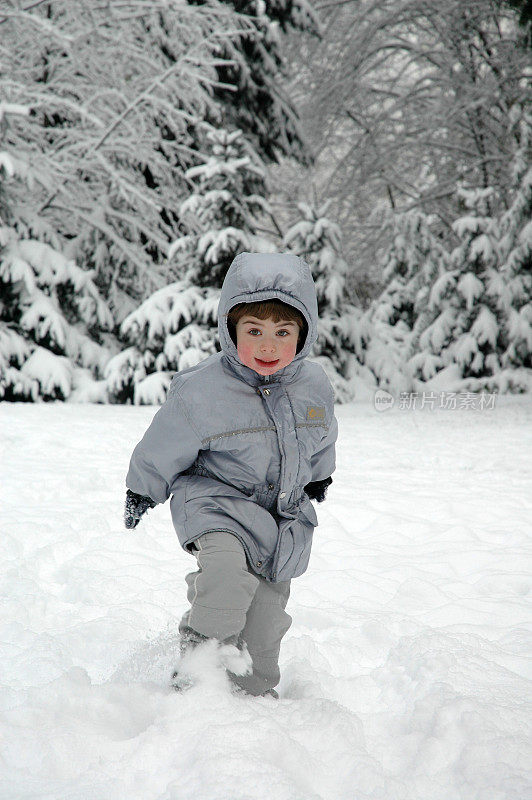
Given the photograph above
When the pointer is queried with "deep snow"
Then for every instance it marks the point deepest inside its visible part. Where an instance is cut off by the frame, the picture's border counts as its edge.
(406, 671)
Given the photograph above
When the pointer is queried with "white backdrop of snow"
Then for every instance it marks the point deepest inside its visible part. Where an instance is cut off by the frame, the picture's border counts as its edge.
(405, 675)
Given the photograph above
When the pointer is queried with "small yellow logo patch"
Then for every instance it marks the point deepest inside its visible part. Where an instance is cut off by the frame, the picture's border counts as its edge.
(315, 412)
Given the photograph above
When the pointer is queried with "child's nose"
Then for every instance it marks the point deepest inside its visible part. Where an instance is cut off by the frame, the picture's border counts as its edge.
(267, 345)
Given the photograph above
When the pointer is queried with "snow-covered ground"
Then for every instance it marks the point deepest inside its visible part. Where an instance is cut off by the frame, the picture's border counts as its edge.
(405, 672)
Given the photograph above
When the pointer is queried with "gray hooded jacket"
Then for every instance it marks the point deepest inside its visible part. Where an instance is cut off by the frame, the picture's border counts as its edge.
(235, 448)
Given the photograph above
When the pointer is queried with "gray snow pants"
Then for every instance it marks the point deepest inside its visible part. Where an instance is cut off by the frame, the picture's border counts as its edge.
(228, 599)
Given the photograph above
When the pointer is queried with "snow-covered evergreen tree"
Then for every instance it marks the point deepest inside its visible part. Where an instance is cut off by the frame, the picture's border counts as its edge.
(461, 329)
(255, 64)
(127, 143)
(176, 326)
(116, 93)
(52, 317)
(220, 214)
(343, 331)
(488, 317)
(511, 286)
(172, 330)
(415, 261)
(462, 314)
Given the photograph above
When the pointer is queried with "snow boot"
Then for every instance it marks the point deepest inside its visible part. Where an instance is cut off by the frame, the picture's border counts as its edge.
(231, 654)
(268, 693)
(189, 640)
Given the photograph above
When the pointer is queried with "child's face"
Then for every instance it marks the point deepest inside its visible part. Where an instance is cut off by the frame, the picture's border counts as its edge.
(264, 345)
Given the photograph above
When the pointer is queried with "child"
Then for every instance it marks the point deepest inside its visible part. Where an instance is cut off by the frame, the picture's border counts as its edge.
(243, 442)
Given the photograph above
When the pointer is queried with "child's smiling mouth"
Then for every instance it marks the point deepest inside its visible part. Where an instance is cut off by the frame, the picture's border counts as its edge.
(267, 363)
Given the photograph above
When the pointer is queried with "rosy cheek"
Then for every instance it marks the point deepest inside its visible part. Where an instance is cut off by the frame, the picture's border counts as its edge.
(289, 349)
(245, 351)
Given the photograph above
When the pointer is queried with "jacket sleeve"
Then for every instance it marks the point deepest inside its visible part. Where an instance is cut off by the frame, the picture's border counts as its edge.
(169, 446)
(323, 462)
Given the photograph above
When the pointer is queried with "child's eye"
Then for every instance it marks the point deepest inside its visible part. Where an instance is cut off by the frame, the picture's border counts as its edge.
(255, 331)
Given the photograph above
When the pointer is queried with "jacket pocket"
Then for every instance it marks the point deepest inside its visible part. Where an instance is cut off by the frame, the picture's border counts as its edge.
(201, 504)
(210, 499)
(307, 510)
(294, 544)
